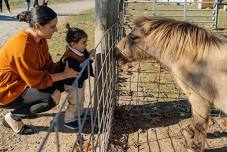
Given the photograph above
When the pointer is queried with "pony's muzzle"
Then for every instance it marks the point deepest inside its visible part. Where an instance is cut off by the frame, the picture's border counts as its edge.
(120, 56)
(121, 51)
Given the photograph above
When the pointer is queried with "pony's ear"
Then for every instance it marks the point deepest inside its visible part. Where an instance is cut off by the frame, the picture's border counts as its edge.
(140, 20)
(146, 27)
(143, 22)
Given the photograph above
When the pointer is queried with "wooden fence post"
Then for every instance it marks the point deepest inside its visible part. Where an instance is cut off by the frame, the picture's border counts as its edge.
(106, 15)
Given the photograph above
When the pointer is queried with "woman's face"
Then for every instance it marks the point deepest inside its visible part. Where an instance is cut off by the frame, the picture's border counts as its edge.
(81, 45)
(46, 31)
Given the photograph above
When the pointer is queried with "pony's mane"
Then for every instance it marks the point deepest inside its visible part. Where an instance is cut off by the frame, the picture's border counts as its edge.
(179, 39)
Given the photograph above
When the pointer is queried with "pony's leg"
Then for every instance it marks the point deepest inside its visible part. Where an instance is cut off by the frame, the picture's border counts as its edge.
(199, 124)
(197, 129)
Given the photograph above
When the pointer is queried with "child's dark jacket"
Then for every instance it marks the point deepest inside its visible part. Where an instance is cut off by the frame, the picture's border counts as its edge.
(74, 62)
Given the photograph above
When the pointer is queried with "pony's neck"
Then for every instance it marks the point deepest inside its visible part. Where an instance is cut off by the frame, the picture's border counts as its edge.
(163, 58)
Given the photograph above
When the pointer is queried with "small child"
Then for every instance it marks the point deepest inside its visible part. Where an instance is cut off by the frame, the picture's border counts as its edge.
(75, 55)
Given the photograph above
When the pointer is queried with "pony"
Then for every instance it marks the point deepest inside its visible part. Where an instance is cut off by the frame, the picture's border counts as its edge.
(195, 56)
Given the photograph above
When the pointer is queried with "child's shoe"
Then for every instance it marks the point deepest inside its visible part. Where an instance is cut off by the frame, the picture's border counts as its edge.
(72, 125)
(16, 125)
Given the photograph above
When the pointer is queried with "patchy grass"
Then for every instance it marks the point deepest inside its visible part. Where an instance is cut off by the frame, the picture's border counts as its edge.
(84, 20)
(147, 82)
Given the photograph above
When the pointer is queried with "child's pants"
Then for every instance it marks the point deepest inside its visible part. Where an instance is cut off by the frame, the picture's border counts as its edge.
(71, 112)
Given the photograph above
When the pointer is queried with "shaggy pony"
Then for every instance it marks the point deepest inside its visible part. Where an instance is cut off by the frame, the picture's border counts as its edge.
(195, 56)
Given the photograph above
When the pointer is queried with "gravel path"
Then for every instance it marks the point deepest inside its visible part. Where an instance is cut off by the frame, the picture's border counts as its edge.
(9, 26)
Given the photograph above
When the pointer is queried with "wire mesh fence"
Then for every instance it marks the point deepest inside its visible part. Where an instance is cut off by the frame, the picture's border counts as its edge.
(152, 111)
(149, 81)
(152, 108)
(98, 114)
(204, 13)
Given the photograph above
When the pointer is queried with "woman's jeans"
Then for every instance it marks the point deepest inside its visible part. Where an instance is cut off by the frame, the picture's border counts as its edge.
(33, 101)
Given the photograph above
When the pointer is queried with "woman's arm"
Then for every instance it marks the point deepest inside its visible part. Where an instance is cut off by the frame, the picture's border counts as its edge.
(30, 69)
(67, 73)
(51, 66)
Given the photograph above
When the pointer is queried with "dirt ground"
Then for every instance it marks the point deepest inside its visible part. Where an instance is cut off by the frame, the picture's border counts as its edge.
(137, 128)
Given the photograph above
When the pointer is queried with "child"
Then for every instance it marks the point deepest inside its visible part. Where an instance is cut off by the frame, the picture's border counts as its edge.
(75, 54)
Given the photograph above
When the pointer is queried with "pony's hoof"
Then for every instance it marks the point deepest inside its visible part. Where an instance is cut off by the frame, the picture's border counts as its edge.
(188, 133)
(189, 150)
(196, 146)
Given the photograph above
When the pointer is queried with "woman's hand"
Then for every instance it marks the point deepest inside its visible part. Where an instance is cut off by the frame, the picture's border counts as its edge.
(70, 72)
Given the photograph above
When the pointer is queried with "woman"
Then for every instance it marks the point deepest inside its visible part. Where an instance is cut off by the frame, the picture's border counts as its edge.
(30, 81)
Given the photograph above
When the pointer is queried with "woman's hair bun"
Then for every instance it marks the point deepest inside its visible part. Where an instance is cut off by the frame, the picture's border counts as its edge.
(67, 26)
(24, 16)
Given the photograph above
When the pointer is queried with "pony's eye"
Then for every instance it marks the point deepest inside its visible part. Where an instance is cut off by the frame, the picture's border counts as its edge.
(133, 37)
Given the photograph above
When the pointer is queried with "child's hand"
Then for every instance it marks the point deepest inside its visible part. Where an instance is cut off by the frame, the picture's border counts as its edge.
(92, 53)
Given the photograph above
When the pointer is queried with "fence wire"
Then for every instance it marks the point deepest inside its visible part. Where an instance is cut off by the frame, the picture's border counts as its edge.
(152, 108)
(149, 81)
(98, 115)
(204, 13)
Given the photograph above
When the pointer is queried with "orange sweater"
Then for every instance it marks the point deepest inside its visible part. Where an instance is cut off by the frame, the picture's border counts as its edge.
(24, 63)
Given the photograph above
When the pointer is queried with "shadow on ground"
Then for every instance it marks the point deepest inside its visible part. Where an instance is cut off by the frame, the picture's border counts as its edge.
(7, 18)
(217, 134)
(61, 128)
(223, 149)
(131, 118)
(70, 14)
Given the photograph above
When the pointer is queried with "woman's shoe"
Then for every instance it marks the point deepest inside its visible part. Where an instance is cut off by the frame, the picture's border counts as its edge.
(4, 123)
(17, 126)
(26, 130)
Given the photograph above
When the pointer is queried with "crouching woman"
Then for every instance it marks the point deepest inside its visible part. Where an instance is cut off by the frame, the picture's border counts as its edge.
(30, 80)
